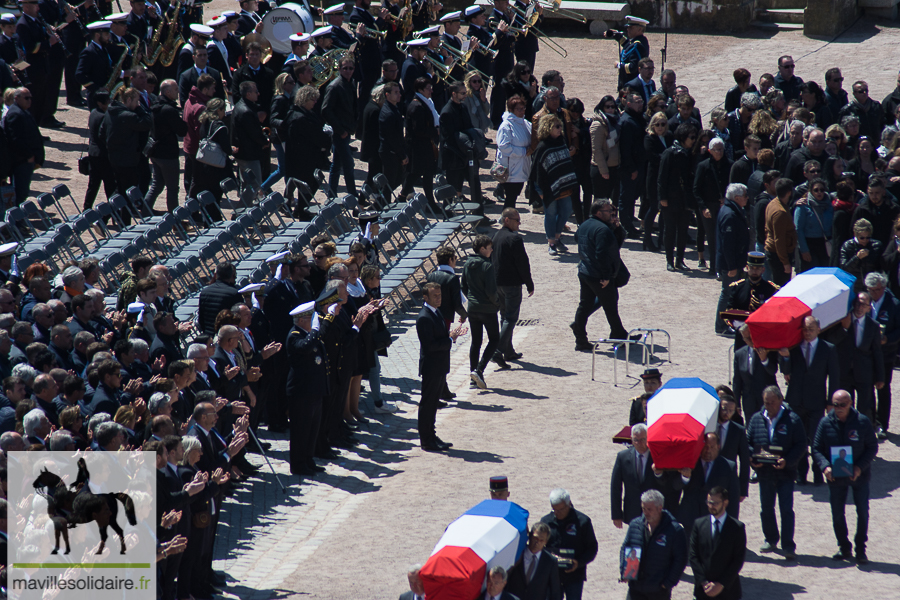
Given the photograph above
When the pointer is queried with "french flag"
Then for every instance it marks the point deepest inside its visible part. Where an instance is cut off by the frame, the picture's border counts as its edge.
(493, 533)
(678, 416)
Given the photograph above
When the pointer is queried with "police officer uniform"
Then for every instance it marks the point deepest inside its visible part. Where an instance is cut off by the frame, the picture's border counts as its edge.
(95, 65)
(746, 295)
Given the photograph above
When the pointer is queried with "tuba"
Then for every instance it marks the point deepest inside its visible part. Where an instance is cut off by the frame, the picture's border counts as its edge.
(322, 68)
(174, 39)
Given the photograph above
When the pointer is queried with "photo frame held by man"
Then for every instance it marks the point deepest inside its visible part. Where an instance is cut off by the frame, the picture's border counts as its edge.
(632, 563)
(841, 461)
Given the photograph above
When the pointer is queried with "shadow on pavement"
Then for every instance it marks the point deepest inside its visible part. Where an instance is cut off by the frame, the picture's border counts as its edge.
(474, 457)
(521, 394)
(543, 370)
(464, 405)
(771, 590)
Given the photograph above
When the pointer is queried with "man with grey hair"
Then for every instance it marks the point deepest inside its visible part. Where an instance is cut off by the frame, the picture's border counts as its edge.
(167, 127)
(62, 441)
(22, 335)
(26, 372)
(11, 441)
(73, 285)
(664, 550)
(633, 471)
(42, 315)
(416, 587)
(732, 245)
(496, 581)
(60, 312)
(110, 436)
(26, 146)
(886, 311)
(36, 426)
(572, 534)
(813, 149)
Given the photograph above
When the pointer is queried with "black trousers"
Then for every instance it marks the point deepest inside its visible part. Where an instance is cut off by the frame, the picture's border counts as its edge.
(593, 296)
(169, 569)
(424, 181)
(190, 561)
(511, 191)
(188, 174)
(604, 188)
(39, 78)
(709, 226)
(779, 277)
(479, 322)
(456, 177)
(676, 232)
(393, 168)
(73, 88)
(884, 394)
(810, 420)
(127, 177)
(101, 172)
(432, 386)
(374, 169)
(54, 81)
(305, 418)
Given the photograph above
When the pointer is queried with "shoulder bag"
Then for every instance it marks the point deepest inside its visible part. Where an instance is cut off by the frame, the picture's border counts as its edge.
(210, 152)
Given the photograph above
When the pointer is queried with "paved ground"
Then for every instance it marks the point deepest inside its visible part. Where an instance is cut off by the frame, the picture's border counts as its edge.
(545, 423)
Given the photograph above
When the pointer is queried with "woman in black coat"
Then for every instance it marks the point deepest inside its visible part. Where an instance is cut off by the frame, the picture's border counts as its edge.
(710, 184)
(368, 133)
(308, 145)
(520, 82)
(656, 141)
(281, 106)
(421, 142)
(168, 126)
(676, 194)
(206, 177)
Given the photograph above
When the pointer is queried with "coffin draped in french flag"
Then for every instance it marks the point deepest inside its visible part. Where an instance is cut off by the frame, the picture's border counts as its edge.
(678, 416)
(824, 292)
(492, 533)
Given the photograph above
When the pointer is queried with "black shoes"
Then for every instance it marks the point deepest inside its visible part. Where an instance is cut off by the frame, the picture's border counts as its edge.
(311, 464)
(513, 356)
(583, 346)
(437, 445)
(842, 555)
(52, 123)
(861, 557)
(671, 268)
(500, 361)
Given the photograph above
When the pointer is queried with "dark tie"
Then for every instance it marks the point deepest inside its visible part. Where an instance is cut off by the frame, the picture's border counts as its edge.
(530, 573)
(716, 530)
(640, 467)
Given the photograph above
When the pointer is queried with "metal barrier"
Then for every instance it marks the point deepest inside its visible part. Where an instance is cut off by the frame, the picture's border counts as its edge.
(648, 335)
(645, 356)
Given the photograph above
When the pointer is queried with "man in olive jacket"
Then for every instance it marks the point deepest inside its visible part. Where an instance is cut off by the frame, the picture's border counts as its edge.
(599, 239)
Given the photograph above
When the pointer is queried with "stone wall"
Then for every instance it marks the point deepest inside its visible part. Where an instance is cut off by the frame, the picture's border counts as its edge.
(710, 15)
(827, 18)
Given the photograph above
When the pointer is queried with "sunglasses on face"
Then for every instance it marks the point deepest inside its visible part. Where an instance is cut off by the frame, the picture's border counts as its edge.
(841, 404)
(791, 66)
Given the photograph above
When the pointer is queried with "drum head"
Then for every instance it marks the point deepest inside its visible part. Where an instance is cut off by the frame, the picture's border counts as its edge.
(282, 22)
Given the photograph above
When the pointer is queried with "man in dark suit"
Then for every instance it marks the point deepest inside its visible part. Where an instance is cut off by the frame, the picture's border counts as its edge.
(712, 470)
(718, 545)
(806, 368)
(24, 141)
(885, 310)
(253, 70)
(536, 575)
(733, 442)
(860, 355)
(496, 582)
(643, 84)
(752, 374)
(107, 395)
(633, 471)
(188, 79)
(216, 296)
(434, 364)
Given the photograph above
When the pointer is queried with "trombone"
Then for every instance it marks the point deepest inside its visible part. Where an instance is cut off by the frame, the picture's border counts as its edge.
(551, 43)
(554, 6)
(516, 31)
(481, 49)
(463, 58)
(443, 70)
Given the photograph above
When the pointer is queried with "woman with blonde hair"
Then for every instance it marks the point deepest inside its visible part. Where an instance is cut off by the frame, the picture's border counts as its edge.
(282, 103)
(476, 101)
(556, 179)
(764, 127)
(368, 133)
(308, 143)
(605, 151)
(207, 177)
(656, 141)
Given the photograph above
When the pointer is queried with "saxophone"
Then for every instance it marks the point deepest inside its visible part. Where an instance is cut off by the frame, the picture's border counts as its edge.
(154, 48)
(114, 85)
(174, 39)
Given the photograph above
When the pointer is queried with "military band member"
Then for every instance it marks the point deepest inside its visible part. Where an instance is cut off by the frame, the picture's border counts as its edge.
(414, 67)
(748, 294)
(299, 50)
(369, 48)
(248, 20)
(232, 41)
(504, 42)
(322, 40)
(439, 56)
(340, 36)
(527, 44)
(633, 46)
(54, 17)
(36, 44)
(218, 52)
(9, 51)
(477, 18)
(200, 35)
(451, 23)
(95, 65)
(423, 10)
(142, 20)
(8, 274)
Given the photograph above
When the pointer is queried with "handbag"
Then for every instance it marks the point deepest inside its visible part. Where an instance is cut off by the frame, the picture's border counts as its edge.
(381, 339)
(623, 276)
(499, 172)
(84, 165)
(209, 152)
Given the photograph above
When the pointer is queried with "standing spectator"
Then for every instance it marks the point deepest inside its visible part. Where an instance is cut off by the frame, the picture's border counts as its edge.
(339, 108)
(24, 141)
(778, 430)
(308, 143)
(434, 364)
(168, 126)
(879, 209)
(457, 148)
(742, 85)
(861, 254)
(207, 178)
(571, 537)
(513, 270)
(514, 149)
(846, 427)
(392, 145)
(632, 474)
(633, 165)
(807, 368)
(476, 102)
(253, 70)
(732, 244)
(885, 310)
(786, 81)
(710, 183)
(220, 295)
(676, 195)
(868, 111)
(781, 235)
(656, 141)
(536, 575)
(193, 108)
(98, 157)
(718, 545)
(479, 284)
(747, 164)
(605, 159)
(813, 221)
(123, 127)
(452, 299)
(520, 82)
(368, 133)
(583, 192)
(248, 135)
(282, 104)
(556, 179)
(835, 94)
(600, 272)
(422, 138)
(664, 550)
(860, 355)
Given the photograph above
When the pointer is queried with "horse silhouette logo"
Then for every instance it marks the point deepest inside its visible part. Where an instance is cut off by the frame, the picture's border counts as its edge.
(73, 505)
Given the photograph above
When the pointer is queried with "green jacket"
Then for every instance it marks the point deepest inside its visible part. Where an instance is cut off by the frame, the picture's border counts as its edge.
(479, 284)
(127, 290)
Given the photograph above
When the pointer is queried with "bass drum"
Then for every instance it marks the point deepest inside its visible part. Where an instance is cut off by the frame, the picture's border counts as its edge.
(284, 21)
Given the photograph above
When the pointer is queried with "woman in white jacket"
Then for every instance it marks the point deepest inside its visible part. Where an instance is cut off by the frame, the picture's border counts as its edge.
(514, 149)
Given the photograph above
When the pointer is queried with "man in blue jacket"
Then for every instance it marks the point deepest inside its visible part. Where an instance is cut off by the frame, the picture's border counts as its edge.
(779, 431)
(845, 426)
(732, 245)
(663, 547)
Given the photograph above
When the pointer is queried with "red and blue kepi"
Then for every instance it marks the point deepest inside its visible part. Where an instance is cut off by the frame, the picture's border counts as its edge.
(678, 416)
(493, 533)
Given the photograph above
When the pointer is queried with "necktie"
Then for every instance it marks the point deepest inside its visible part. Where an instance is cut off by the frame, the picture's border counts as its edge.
(751, 361)
(806, 353)
(640, 468)
(530, 572)
(716, 530)
(706, 467)
(719, 431)
(859, 332)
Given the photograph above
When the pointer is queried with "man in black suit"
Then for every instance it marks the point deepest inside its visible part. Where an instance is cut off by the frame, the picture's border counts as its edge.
(536, 575)
(860, 355)
(188, 79)
(60, 346)
(885, 310)
(718, 545)
(253, 70)
(643, 84)
(24, 141)
(171, 496)
(733, 442)
(434, 364)
(633, 471)
(712, 470)
(217, 296)
(754, 371)
(496, 582)
(251, 141)
(392, 147)
(806, 368)
(107, 395)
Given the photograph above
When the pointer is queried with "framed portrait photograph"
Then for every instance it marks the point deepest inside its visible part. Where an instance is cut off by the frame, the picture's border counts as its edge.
(842, 461)
(632, 563)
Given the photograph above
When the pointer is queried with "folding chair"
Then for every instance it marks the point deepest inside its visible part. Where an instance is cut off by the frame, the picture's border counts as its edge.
(59, 192)
(323, 185)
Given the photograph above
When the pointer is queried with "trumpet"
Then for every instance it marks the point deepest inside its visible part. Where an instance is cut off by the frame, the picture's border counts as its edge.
(375, 33)
(463, 58)
(481, 49)
(516, 31)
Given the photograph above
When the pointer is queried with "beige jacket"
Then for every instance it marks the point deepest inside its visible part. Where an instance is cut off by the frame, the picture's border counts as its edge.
(603, 155)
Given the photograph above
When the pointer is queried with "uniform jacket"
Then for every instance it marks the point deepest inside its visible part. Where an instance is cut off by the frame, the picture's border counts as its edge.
(663, 555)
(308, 375)
(94, 67)
(719, 560)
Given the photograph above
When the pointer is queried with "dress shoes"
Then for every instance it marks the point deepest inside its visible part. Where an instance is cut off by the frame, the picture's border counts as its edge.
(681, 266)
(328, 454)
(439, 442)
(583, 346)
(433, 447)
(346, 443)
(842, 555)
(304, 471)
(277, 428)
(311, 464)
(513, 356)
(52, 123)
(218, 579)
(442, 404)
(861, 558)
(500, 361)
(671, 268)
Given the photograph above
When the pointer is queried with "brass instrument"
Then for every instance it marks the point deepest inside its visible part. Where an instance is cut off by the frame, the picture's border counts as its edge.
(442, 69)
(481, 49)
(375, 33)
(515, 31)
(551, 43)
(322, 68)
(154, 48)
(406, 16)
(114, 85)
(174, 39)
(554, 5)
(463, 58)
(262, 41)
